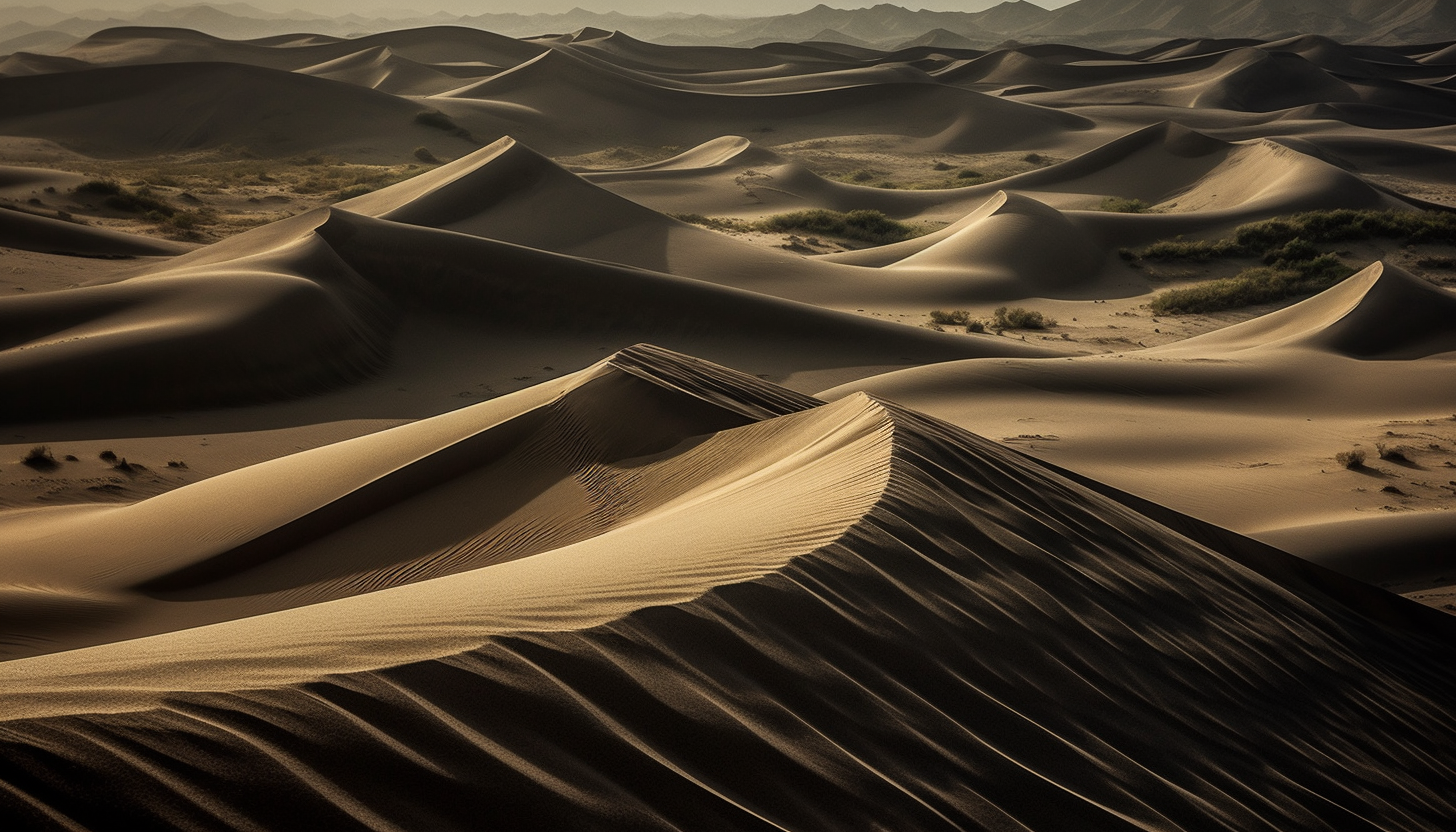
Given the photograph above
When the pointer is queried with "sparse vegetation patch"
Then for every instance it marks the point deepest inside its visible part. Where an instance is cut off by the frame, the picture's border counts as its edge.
(1262, 239)
(1120, 205)
(958, 317)
(40, 459)
(1294, 264)
(1261, 284)
(140, 201)
(863, 225)
(1019, 317)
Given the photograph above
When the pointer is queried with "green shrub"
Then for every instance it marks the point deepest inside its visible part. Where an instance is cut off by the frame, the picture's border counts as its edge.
(862, 224)
(1295, 251)
(354, 190)
(1020, 318)
(1184, 250)
(1259, 239)
(958, 317)
(1262, 284)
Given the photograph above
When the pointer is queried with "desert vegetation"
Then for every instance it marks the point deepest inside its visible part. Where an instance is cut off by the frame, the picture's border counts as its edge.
(863, 225)
(1004, 318)
(1351, 459)
(215, 196)
(1122, 205)
(1253, 286)
(860, 225)
(1294, 264)
(40, 458)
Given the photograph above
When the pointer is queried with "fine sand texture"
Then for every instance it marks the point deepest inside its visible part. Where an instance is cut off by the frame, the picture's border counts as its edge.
(442, 430)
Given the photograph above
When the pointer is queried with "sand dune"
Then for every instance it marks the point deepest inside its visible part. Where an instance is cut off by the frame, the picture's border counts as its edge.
(160, 108)
(145, 45)
(25, 63)
(1382, 313)
(311, 303)
(428, 507)
(506, 677)
(733, 176)
(995, 251)
(36, 233)
(381, 69)
(1277, 393)
(570, 93)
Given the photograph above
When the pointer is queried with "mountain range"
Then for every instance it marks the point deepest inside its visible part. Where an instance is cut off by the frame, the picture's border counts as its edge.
(1090, 22)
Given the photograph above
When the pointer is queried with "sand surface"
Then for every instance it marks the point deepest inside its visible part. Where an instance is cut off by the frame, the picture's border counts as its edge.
(435, 426)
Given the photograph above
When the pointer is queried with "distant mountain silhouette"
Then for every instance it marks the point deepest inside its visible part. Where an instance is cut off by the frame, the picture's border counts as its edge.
(885, 26)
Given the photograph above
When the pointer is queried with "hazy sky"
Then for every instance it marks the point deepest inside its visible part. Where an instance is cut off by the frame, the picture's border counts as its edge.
(400, 8)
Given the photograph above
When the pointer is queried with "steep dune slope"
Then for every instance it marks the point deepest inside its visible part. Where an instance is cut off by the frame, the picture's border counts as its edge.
(965, 640)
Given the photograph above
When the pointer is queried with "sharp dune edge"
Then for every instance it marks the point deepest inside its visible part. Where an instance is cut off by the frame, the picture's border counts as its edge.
(431, 430)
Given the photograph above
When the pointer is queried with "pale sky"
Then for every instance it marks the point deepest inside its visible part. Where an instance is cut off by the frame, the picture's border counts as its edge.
(402, 8)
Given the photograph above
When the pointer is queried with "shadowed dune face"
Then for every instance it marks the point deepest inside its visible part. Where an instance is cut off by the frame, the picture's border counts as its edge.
(336, 493)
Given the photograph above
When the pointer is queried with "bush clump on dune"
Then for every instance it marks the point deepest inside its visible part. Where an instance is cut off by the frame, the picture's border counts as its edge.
(1019, 317)
(863, 224)
(140, 201)
(1262, 284)
(40, 458)
(957, 317)
(1352, 459)
(1294, 265)
(940, 318)
(1260, 239)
